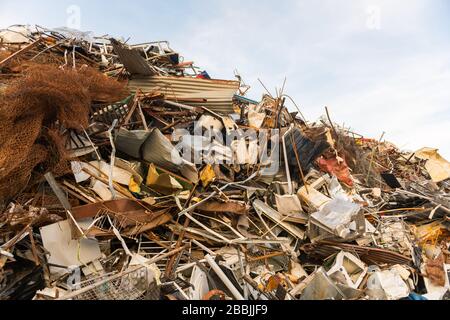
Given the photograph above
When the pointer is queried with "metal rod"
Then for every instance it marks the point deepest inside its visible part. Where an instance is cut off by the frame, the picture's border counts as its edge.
(224, 278)
(286, 163)
(113, 159)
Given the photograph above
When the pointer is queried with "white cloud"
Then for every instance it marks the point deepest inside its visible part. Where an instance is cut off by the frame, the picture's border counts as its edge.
(411, 105)
(390, 79)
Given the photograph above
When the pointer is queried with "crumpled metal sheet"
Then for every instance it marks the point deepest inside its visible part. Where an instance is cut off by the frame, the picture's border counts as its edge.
(154, 148)
(130, 216)
(132, 60)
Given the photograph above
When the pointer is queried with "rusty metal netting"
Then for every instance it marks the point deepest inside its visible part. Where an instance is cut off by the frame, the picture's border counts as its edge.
(45, 97)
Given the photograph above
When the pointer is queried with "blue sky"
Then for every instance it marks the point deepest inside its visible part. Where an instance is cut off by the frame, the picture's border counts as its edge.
(379, 65)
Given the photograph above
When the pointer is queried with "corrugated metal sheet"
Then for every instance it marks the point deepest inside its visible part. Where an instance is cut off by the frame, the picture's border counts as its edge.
(217, 94)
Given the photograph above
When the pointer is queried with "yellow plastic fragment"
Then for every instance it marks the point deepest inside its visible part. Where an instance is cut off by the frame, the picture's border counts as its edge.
(162, 183)
(207, 175)
(429, 233)
(437, 166)
(133, 186)
(152, 175)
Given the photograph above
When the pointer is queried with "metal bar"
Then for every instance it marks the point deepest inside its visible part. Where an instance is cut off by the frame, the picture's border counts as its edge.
(224, 278)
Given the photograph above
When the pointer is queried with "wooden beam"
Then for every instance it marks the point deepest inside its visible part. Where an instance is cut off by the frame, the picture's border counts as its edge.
(21, 51)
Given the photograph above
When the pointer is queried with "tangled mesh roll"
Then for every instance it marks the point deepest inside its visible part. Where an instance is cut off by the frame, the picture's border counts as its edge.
(33, 107)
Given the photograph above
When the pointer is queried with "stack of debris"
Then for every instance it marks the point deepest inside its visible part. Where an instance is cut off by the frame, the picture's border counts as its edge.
(128, 173)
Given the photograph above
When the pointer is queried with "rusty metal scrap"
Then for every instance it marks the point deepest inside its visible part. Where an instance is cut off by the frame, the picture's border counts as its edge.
(128, 174)
(366, 254)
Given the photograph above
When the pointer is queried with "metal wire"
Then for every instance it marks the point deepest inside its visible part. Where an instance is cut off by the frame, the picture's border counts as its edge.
(131, 286)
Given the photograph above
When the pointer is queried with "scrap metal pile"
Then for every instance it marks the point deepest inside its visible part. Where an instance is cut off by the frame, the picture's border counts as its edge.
(128, 173)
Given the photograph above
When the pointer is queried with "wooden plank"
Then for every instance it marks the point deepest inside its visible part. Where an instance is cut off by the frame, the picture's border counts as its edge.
(21, 51)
